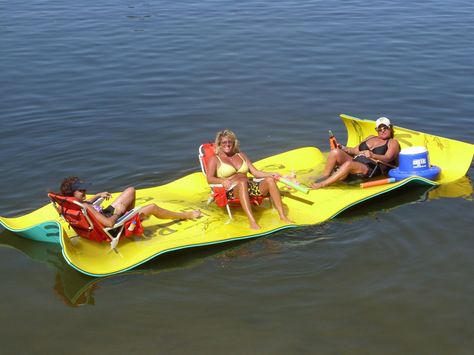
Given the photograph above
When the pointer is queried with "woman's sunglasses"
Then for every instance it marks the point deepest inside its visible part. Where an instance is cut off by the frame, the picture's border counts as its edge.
(227, 142)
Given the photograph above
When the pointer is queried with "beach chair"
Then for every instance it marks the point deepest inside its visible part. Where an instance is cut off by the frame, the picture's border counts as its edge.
(87, 226)
(218, 192)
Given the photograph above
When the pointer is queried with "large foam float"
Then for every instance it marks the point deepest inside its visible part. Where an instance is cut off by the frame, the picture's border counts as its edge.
(192, 191)
(76, 289)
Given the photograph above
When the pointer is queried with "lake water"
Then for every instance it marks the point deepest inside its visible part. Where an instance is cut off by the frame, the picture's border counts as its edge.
(123, 92)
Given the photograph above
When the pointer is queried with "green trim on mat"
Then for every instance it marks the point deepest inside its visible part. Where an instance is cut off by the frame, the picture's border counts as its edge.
(176, 249)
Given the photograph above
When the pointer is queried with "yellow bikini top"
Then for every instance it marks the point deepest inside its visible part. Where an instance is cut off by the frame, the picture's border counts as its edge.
(225, 170)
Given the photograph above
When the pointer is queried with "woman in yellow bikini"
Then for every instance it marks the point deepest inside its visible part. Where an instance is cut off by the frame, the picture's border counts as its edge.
(230, 166)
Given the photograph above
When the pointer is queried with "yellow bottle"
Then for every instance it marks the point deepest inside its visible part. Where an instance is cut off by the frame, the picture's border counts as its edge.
(132, 226)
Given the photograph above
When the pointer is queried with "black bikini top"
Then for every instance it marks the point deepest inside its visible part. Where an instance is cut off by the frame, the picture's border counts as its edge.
(380, 150)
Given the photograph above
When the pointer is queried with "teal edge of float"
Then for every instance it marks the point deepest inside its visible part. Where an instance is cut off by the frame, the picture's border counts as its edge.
(409, 180)
(45, 232)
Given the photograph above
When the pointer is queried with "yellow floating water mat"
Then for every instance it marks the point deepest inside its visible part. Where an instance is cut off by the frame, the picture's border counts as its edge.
(192, 192)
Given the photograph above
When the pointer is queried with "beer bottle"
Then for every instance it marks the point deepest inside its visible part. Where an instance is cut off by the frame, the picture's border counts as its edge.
(332, 141)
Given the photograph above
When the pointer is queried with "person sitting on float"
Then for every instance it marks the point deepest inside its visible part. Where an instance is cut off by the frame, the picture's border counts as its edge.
(230, 166)
(74, 186)
(370, 158)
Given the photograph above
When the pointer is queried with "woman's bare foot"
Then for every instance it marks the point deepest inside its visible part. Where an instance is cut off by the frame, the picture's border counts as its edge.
(286, 219)
(321, 178)
(317, 185)
(192, 214)
(254, 225)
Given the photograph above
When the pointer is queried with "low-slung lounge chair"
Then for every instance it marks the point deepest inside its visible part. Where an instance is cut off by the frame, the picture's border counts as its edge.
(86, 225)
(219, 196)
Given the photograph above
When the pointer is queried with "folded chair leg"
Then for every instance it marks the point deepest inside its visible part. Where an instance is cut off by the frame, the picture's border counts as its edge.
(230, 214)
(115, 240)
(376, 170)
(113, 244)
(228, 211)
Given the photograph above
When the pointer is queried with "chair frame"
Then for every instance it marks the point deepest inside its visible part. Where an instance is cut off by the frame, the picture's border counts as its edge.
(109, 237)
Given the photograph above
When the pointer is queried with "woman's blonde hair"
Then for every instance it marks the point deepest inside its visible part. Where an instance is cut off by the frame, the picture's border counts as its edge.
(226, 133)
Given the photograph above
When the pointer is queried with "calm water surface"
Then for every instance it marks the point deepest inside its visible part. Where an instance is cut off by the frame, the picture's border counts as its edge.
(123, 92)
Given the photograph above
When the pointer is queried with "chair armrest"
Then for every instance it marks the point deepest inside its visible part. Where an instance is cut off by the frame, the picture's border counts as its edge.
(220, 185)
(98, 201)
(126, 217)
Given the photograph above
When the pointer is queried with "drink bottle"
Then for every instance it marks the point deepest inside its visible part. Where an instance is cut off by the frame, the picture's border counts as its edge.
(132, 226)
(332, 141)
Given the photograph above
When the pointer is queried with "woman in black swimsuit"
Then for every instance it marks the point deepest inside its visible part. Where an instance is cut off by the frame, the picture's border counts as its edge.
(363, 159)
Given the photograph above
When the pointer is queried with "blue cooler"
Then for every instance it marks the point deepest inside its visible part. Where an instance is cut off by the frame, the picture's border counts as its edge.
(414, 161)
